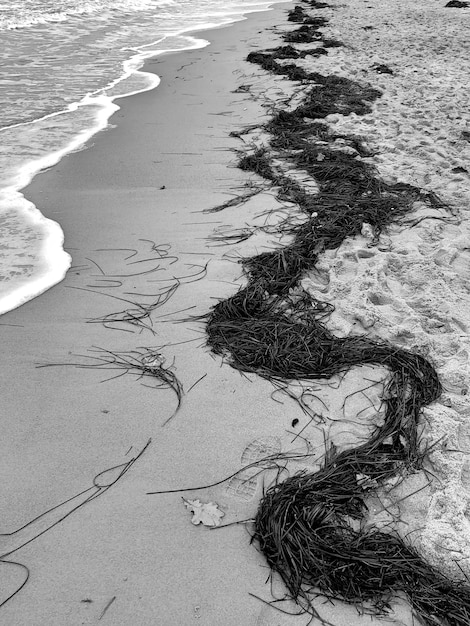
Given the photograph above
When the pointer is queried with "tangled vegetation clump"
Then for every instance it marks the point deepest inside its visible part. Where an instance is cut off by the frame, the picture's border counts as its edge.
(297, 14)
(311, 527)
(304, 529)
(313, 4)
(305, 34)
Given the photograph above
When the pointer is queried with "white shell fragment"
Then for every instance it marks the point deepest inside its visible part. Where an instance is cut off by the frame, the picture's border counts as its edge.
(207, 513)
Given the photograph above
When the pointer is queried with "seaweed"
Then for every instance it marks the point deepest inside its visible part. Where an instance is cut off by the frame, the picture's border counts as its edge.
(284, 52)
(267, 60)
(258, 163)
(144, 363)
(316, 5)
(313, 52)
(305, 34)
(298, 14)
(331, 94)
(289, 52)
(310, 527)
(303, 528)
(332, 43)
(55, 515)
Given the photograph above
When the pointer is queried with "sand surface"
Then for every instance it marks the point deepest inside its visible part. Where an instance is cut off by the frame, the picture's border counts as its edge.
(132, 208)
(412, 289)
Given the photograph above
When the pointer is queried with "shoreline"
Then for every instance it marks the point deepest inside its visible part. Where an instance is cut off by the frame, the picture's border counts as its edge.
(223, 420)
(47, 263)
(42, 271)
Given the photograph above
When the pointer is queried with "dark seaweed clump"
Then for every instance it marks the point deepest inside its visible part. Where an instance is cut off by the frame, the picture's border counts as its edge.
(289, 52)
(267, 60)
(318, 551)
(313, 4)
(310, 527)
(305, 34)
(298, 14)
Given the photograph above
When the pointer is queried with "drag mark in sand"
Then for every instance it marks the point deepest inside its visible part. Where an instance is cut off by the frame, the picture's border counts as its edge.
(312, 527)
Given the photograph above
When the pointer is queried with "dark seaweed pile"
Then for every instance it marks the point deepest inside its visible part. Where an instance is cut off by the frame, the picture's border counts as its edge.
(310, 526)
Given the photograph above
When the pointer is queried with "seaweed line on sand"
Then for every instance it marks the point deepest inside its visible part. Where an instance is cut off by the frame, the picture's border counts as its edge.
(311, 526)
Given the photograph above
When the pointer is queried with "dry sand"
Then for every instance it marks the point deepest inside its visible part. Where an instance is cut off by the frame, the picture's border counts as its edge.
(62, 426)
(413, 288)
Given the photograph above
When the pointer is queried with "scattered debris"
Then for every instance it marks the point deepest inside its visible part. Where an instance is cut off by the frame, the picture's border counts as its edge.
(242, 89)
(106, 608)
(207, 513)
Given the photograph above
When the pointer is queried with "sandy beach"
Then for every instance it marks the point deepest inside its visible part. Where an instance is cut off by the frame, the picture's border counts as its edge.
(86, 437)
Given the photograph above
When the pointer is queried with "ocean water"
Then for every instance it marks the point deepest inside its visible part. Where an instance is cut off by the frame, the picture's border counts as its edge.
(64, 67)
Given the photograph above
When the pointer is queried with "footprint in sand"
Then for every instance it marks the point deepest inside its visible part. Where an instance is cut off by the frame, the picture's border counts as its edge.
(364, 253)
(346, 269)
(245, 484)
(461, 264)
(319, 280)
(465, 478)
(454, 374)
(379, 299)
(390, 310)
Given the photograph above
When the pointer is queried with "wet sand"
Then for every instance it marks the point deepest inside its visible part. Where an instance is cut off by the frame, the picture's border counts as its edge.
(63, 426)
